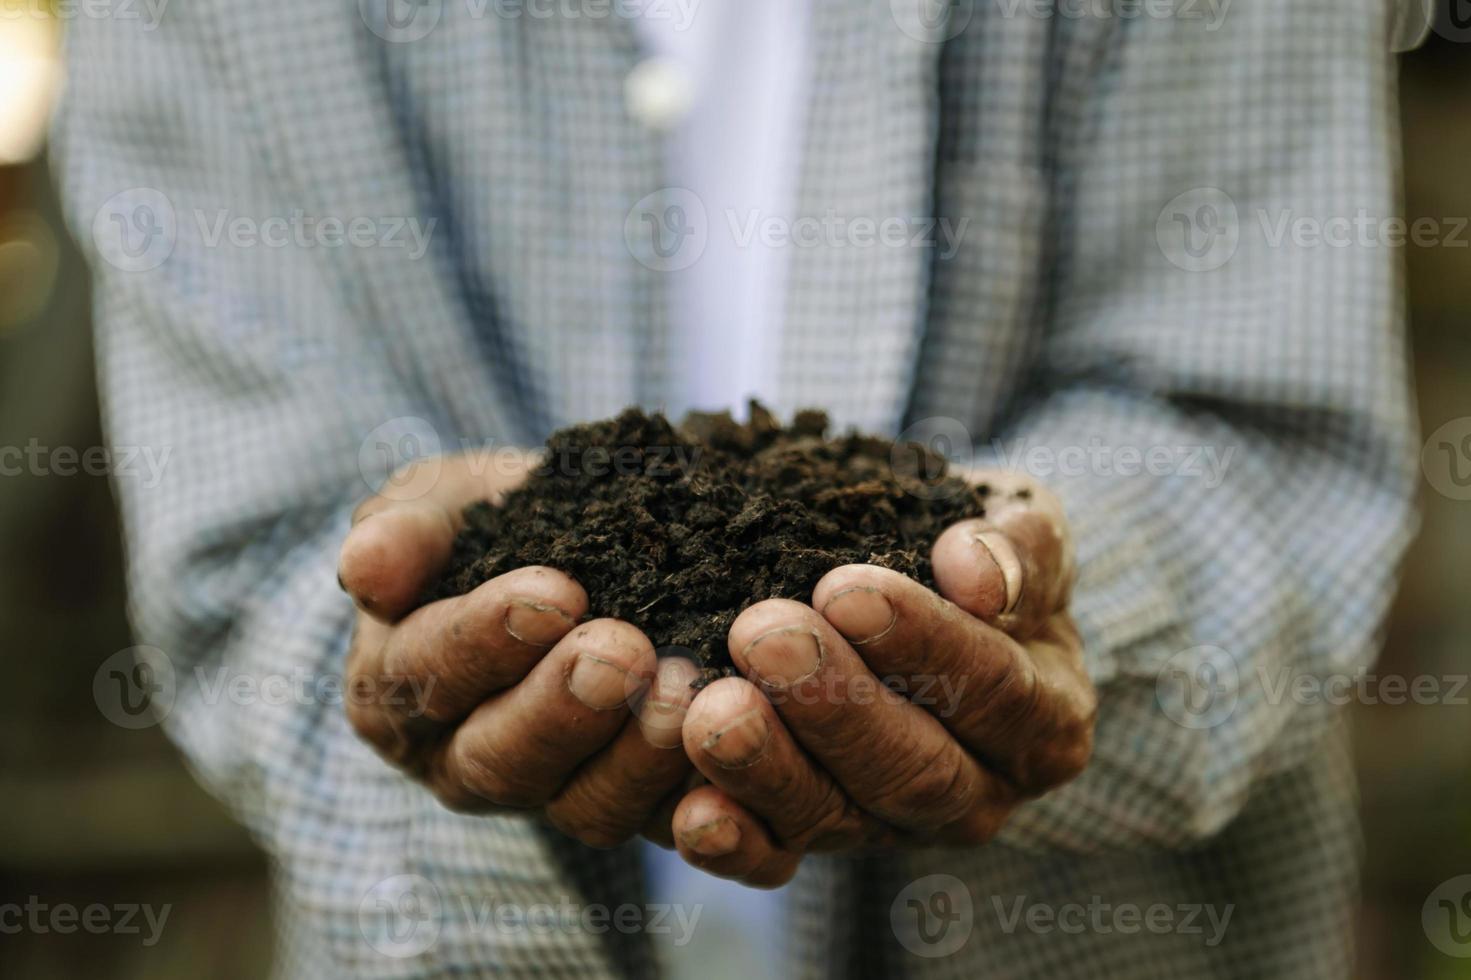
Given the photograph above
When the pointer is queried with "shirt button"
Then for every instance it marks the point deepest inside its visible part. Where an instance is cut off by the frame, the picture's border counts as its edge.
(658, 93)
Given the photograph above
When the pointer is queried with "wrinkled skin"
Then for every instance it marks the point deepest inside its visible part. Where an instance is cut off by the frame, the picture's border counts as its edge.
(883, 715)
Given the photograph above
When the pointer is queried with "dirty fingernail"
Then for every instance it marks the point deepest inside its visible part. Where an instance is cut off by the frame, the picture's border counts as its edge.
(861, 613)
(739, 743)
(718, 837)
(997, 548)
(540, 624)
(784, 656)
(600, 683)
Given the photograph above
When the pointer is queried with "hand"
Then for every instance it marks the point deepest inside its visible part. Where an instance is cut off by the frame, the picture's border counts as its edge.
(813, 751)
(523, 706)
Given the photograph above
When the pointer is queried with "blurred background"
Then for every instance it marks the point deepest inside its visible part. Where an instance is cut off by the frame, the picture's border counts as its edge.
(95, 814)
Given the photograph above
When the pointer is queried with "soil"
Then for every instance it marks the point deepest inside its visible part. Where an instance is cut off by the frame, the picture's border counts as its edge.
(677, 530)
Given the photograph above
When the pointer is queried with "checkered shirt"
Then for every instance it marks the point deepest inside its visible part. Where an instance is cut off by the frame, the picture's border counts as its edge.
(1122, 306)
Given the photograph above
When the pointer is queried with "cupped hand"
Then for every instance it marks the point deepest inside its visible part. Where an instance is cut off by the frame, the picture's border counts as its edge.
(503, 698)
(889, 715)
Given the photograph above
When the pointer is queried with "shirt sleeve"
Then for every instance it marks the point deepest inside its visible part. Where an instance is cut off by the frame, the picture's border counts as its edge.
(232, 343)
(1222, 402)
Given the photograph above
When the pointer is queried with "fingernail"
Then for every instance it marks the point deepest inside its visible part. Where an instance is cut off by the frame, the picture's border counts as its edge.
(861, 613)
(661, 716)
(718, 837)
(662, 722)
(539, 624)
(598, 683)
(997, 548)
(740, 743)
(784, 656)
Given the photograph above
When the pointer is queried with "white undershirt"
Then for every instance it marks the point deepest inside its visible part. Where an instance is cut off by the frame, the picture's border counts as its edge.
(737, 147)
(735, 141)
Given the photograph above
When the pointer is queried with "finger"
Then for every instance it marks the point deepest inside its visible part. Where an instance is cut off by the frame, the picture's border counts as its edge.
(397, 544)
(734, 737)
(517, 749)
(1025, 711)
(368, 693)
(1014, 567)
(613, 795)
(716, 834)
(893, 759)
(459, 651)
(409, 680)
(387, 560)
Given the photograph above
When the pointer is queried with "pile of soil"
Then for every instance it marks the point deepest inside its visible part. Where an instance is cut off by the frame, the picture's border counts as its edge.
(677, 530)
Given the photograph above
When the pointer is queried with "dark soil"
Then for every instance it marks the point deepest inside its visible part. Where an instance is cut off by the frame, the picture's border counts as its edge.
(678, 530)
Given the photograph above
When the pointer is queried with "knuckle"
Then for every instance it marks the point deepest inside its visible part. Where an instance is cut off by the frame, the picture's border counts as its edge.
(648, 783)
(828, 819)
(473, 772)
(931, 793)
(1009, 696)
(1065, 756)
(543, 748)
(1064, 745)
(435, 692)
(600, 812)
(1003, 701)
